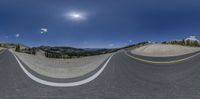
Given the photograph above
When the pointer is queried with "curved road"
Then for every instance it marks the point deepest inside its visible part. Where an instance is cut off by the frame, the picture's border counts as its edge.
(123, 78)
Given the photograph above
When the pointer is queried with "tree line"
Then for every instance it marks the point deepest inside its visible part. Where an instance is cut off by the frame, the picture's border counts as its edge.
(184, 43)
(25, 50)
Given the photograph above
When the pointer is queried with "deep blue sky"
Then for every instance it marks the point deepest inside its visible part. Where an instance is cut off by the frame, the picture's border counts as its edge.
(106, 23)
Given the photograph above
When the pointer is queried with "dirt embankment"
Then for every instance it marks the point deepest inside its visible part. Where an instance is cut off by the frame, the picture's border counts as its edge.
(164, 50)
(62, 68)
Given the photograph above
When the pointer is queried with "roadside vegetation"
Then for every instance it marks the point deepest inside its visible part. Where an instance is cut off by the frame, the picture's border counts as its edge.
(29, 51)
(17, 49)
(183, 43)
(7, 45)
(25, 50)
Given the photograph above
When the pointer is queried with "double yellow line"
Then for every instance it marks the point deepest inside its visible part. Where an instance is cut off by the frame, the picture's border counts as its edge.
(162, 62)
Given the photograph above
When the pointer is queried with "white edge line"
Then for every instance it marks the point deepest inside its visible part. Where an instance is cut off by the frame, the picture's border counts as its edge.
(162, 62)
(54, 84)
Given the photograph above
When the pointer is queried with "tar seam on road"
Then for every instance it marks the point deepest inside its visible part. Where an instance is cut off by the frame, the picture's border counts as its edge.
(162, 62)
(71, 84)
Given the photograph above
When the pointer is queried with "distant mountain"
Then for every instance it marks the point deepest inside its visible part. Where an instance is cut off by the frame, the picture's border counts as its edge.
(92, 49)
(71, 49)
(61, 49)
(70, 52)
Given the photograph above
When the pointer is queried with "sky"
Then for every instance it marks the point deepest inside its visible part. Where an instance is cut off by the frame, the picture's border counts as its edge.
(97, 23)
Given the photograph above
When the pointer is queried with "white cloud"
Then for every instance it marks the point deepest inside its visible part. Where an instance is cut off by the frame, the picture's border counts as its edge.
(17, 35)
(43, 30)
(130, 41)
(192, 38)
(6, 36)
(111, 45)
(125, 43)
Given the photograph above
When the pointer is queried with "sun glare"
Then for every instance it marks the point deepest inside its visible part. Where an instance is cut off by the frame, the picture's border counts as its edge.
(76, 16)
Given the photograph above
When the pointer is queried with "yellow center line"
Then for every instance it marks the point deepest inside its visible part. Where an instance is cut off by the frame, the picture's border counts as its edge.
(162, 62)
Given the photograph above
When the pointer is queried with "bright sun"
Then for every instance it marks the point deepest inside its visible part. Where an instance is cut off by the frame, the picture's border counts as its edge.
(76, 16)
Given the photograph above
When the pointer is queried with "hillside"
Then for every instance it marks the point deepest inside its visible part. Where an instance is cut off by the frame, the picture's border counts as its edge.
(13, 45)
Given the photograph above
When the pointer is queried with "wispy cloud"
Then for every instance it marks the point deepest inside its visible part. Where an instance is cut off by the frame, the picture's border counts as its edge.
(6, 36)
(125, 43)
(43, 30)
(17, 35)
(111, 45)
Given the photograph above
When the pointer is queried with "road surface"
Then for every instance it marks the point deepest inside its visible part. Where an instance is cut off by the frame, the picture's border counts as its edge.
(123, 78)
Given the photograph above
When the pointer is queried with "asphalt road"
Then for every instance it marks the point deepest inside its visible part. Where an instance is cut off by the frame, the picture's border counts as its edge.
(123, 78)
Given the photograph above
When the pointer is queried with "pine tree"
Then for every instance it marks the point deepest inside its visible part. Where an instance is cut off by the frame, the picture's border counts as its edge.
(33, 51)
(188, 42)
(196, 43)
(17, 49)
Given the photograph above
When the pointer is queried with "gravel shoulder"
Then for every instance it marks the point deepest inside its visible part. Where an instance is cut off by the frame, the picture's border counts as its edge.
(62, 68)
(164, 50)
(1, 49)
